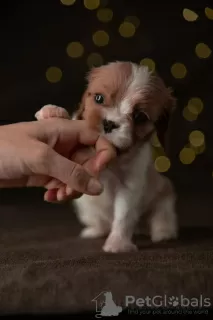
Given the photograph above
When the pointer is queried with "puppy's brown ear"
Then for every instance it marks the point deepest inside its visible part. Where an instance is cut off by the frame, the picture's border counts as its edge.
(92, 74)
(89, 78)
(162, 123)
(79, 112)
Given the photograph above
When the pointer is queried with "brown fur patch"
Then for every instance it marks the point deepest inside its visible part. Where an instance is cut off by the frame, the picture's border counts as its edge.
(111, 81)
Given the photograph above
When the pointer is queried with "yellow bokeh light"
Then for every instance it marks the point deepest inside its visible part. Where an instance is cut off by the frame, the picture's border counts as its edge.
(187, 155)
(199, 150)
(209, 13)
(149, 63)
(100, 38)
(104, 15)
(188, 115)
(157, 152)
(134, 20)
(155, 141)
(202, 50)
(94, 60)
(127, 29)
(68, 2)
(189, 15)
(91, 4)
(162, 164)
(75, 49)
(53, 74)
(196, 138)
(178, 70)
(195, 106)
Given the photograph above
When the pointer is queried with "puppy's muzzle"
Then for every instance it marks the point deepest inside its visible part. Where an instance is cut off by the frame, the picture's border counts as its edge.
(109, 126)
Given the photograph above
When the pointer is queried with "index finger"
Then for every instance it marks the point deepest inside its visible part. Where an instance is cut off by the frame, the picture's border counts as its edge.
(105, 153)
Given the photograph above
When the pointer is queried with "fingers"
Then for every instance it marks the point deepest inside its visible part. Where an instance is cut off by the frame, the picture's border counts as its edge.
(61, 195)
(72, 194)
(67, 133)
(70, 173)
(97, 158)
(59, 192)
(106, 152)
(93, 116)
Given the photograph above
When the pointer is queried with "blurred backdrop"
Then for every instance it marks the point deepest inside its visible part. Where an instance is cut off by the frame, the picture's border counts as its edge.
(48, 46)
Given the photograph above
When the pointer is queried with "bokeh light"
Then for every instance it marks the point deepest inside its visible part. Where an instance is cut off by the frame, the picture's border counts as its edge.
(91, 4)
(199, 150)
(195, 106)
(178, 70)
(196, 138)
(189, 15)
(202, 50)
(188, 115)
(209, 13)
(187, 155)
(100, 38)
(155, 141)
(68, 2)
(149, 63)
(127, 29)
(104, 14)
(95, 60)
(53, 74)
(134, 20)
(75, 49)
(162, 164)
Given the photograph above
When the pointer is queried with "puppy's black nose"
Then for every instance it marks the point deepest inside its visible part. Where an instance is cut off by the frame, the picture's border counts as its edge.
(109, 125)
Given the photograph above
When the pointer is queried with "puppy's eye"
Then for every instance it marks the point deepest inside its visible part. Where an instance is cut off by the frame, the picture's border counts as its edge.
(99, 98)
(139, 117)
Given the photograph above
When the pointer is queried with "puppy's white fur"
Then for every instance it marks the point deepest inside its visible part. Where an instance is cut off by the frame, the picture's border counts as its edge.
(132, 186)
(128, 193)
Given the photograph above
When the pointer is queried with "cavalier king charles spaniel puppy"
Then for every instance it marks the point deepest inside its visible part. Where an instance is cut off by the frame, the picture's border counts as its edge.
(131, 103)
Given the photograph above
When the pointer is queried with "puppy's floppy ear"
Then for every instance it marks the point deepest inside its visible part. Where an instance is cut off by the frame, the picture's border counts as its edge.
(162, 123)
(79, 113)
(90, 76)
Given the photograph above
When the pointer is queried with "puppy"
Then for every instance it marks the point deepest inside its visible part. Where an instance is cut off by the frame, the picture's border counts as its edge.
(132, 103)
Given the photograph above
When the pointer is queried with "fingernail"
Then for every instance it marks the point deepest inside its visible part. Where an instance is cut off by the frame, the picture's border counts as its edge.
(94, 186)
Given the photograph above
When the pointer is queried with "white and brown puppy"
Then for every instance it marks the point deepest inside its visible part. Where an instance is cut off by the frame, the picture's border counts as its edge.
(132, 103)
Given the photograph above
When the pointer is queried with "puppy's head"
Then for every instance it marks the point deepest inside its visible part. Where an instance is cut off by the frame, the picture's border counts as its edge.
(129, 101)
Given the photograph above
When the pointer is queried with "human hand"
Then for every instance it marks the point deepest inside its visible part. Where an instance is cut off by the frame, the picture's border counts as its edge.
(54, 154)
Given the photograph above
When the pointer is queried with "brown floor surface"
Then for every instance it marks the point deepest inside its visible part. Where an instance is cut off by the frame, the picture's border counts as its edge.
(45, 267)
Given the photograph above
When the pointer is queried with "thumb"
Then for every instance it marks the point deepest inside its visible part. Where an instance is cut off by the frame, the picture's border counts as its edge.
(70, 173)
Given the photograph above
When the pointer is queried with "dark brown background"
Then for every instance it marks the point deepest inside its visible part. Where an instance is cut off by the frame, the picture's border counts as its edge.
(34, 36)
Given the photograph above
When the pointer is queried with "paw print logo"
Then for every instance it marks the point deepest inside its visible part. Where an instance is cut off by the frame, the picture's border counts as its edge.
(173, 301)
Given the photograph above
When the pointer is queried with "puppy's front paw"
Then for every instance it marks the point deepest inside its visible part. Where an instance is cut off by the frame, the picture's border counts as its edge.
(116, 244)
(92, 233)
(51, 111)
